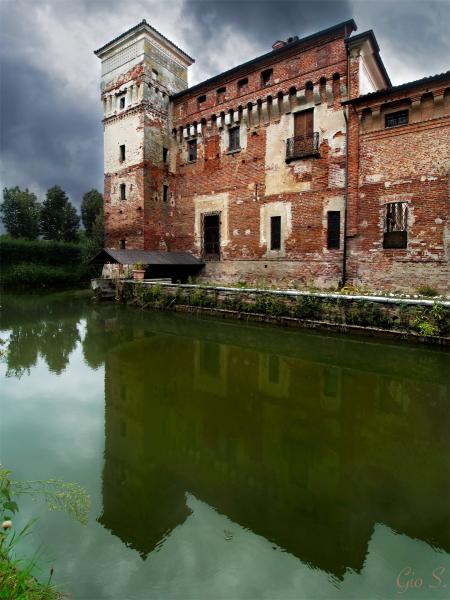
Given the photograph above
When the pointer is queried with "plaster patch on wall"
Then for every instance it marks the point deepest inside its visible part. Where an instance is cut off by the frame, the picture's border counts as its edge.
(215, 203)
(275, 209)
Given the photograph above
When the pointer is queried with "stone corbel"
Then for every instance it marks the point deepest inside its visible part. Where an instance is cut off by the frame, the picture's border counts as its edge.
(376, 118)
(439, 105)
(274, 110)
(236, 116)
(301, 98)
(192, 130)
(199, 129)
(316, 94)
(219, 122)
(286, 105)
(185, 133)
(245, 116)
(329, 94)
(264, 112)
(416, 110)
(227, 119)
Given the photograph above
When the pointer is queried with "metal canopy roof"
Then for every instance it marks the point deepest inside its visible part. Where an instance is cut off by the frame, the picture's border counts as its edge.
(147, 257)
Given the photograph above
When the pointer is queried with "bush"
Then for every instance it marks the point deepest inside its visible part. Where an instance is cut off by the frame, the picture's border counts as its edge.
(30, 274)
(14, 251)
(427, 290)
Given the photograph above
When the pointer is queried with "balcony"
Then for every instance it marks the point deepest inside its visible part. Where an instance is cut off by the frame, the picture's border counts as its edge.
(302, 146)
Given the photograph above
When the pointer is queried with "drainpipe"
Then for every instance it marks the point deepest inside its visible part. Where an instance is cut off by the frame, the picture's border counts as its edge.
(344, 249)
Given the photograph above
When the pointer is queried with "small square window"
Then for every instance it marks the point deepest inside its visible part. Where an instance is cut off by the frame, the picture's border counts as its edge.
(165, 156)
(123, 191)
(234, 139)
(122, 102)
(122, 153)
(275, 233)
(201, 100)
(267, 77)
(165, 193)
(243, 85)
(401, 117)
(221, 94)
(192, 150)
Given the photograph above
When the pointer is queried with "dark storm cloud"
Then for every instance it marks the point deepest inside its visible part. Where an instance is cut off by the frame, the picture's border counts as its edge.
(51, 128)
(260, 22)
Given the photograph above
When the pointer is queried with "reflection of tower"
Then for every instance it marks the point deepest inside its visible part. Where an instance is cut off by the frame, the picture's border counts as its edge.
(313, 463)
(140, 70)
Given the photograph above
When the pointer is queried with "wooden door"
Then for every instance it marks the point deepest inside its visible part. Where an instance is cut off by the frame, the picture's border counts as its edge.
(211, 236)
(304, 124)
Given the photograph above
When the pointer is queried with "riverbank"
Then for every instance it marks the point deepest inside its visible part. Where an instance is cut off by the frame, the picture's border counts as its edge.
(422, 320)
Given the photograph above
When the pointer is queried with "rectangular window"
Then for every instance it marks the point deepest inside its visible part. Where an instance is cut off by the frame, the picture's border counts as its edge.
(165, 193)
(242, 85)
(334, 230)
(192, 150)
(234, 139)
(221, 94)
(122, 244)
(122, 102)
(165, 156)
(275, 233)
(395, 225)
(267, 77)
(401, 117)
(122, 153)
(123, 191)
(211, 236)
(201, 100)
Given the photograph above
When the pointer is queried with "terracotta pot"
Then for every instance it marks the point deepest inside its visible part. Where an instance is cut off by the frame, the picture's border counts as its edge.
(138, 274)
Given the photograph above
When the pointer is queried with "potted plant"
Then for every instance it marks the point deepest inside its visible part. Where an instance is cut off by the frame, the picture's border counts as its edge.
(139, 271)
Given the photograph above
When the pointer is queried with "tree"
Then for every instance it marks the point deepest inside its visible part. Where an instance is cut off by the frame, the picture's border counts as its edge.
(59, 219)
(91, 207)
(20, 213)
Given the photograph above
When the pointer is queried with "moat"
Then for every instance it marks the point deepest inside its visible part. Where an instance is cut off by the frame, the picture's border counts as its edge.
(227, 460)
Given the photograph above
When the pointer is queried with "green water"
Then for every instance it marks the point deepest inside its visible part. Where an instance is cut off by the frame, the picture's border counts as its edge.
(227, 460)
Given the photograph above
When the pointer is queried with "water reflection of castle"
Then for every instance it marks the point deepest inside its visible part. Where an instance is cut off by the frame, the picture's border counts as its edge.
(308, 452)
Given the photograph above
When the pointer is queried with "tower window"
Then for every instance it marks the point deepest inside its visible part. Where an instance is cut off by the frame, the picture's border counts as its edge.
(192, 150)
(122, 244)
(221, 94)
(396, 118)
(122, 153)
(165, 156)
(275, 233)
(334, 229)
(201, 100)
(165, 193)
(267, 77)
(122, 102)
(234, 139)
(123, 191)
(155, 73)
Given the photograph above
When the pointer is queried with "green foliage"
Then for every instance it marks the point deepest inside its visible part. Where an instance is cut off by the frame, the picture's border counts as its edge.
(91, 211)
(59, 219)
(40, 252)
(16, 576)
(308, 307)
(427, 290)
(432, 321)
(20, 213)
(30, 274)
(139, 266)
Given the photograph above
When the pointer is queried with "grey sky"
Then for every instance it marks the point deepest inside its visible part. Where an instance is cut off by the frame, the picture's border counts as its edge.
(51, 130)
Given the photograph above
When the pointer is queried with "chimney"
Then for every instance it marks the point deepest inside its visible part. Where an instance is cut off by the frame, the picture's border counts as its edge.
(278, 44)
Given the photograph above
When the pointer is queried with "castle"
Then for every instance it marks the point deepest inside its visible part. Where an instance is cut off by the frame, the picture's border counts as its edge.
(303, 166)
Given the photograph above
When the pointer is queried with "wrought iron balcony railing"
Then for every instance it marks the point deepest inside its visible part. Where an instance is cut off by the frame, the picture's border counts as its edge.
(302, 146)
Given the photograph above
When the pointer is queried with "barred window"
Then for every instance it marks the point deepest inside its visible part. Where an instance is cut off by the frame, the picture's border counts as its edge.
(401, 117)
(396, 225)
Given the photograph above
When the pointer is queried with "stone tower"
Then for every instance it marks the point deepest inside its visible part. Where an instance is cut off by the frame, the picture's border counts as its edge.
(141, 69)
